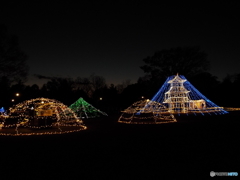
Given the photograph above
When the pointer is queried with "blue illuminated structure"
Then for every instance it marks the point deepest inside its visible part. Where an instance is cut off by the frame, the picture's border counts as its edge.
(2, 110)
(179, 96)
(176, 96)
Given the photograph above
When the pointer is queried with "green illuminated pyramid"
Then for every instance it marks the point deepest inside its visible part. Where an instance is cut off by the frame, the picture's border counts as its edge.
(85, 110)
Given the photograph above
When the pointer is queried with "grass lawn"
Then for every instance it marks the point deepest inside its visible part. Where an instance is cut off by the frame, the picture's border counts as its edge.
(190, 148)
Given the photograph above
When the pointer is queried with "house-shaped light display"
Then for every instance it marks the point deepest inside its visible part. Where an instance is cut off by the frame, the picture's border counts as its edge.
(179, 96)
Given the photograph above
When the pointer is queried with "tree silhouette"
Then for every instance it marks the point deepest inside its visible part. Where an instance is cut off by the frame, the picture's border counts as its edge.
(61, 89)
(12, 59)
(187, 61)
(90, 84)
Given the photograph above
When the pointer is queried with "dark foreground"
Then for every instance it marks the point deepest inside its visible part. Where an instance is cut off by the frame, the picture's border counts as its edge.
(109, 150)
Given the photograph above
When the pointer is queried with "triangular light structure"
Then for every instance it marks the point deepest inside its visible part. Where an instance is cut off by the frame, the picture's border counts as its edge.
(2, 110)
(85, 110)
(179, 96)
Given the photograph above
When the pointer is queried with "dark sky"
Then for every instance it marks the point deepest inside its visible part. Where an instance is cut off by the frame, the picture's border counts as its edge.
(111, 38)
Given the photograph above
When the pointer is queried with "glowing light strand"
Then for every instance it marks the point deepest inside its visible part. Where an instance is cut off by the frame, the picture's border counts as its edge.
(181, 97)
(145, 112)
(210, 104)
(22, 117)
(85, 110)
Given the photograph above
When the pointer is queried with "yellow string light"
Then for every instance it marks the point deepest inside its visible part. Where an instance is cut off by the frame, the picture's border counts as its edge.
(42, 109)
(146, 112)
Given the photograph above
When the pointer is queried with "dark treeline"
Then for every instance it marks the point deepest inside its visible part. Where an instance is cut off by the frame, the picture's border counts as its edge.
(67, 90)
(188, 61)
(114, 98)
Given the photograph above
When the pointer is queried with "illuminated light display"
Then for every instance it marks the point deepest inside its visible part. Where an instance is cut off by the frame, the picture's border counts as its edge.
(2, 110)
(40, 116)
(85, 110)
(231, 108)
(146, 112)
(179, 96)
(3, 115)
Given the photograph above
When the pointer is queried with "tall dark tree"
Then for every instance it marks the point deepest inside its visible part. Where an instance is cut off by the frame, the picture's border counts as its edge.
(5, 92)
(187, 61)
(32, 92)
(60, 89)
(90, 84)
(235, 90)
(13, 67)
(226, 91)
(12, 58)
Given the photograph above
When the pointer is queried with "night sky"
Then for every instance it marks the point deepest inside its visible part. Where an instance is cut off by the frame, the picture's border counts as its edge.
(111, 38)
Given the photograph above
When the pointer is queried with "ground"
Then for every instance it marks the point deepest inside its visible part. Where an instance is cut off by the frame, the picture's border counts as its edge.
(111, 150)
